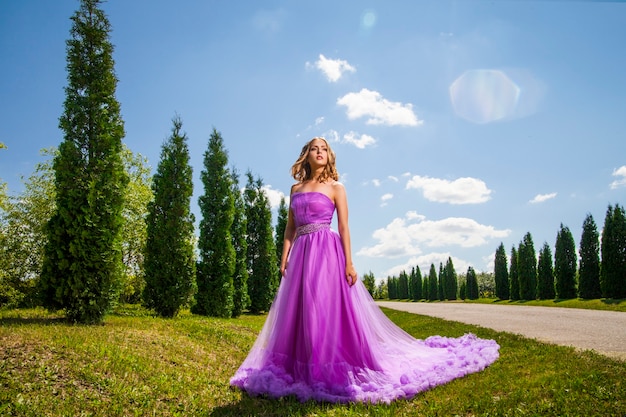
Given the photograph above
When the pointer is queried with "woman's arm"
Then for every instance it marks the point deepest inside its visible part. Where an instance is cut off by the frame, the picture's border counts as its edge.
(341, 203)
(290, 234)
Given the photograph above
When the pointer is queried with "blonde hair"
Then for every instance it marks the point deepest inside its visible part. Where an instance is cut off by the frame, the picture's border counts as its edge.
(301, 169)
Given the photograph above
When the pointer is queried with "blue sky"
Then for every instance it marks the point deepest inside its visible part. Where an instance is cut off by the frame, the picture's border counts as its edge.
(457, 124)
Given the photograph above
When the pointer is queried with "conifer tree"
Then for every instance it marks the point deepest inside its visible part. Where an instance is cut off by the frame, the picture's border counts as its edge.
(416, 283)
(501, 273)
(216, 264)
(440, 279)
(613, 250)
(262, 263)
(450, 284)
(170, 264)
(403, 286)
(589, 267)
(527, 268)
(279, 236)
(565, 263)
(545, 274)
(433, 284)
(391, 288)
(82, 266)
(471, 285)
(514, 282)
(241, 299)
(425, 287)
(463, 289)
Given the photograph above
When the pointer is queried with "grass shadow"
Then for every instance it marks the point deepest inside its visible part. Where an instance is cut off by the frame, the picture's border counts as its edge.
(613, 301)
(265, 406)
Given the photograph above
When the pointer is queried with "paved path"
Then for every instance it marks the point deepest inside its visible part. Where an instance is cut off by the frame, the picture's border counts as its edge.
(602, 331)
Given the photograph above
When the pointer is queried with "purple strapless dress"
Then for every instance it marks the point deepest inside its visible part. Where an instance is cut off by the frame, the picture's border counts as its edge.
(327, 341)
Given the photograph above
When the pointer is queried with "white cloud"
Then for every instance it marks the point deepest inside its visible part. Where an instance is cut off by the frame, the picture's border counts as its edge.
(378, 110)
(319, 120)
(460, 191)
(274, 196)
(376, 182)
(333, 69)
(405, 236)
(360, 142)
(384, 198)
(393, 178)
(620, 182)
(424, 262)
(331, 135)
(540, 198)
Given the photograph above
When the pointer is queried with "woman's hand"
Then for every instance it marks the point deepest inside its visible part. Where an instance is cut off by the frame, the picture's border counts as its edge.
(351, 275)
(283, 268)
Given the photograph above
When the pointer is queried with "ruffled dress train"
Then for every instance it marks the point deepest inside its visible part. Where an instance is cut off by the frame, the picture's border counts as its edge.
(327, 341)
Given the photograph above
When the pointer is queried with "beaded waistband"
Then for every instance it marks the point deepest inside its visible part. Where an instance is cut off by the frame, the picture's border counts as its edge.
(311, 227)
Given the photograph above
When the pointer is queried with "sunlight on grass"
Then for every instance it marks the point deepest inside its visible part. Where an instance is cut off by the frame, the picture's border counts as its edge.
(136, 364)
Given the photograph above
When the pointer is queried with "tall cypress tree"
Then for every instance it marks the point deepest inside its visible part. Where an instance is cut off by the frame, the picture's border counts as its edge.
(170, 264)
(433, 285)
(82, 264)
(440, 280)
(416, 283)
(545, 274)
(527, 268)
(279, 235)
(613, 249)
(565, 262)
(471, 284)
(262, 263)
(450, 284)
(241, 300)
(216, 266)
(513, 275)
(589, 267)
(501, 273)
(403, 286)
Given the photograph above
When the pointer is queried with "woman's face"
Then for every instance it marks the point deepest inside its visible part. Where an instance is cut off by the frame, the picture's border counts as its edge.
(318, 153)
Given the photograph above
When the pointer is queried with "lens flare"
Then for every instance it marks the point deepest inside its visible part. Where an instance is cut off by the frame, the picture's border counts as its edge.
(484, 96)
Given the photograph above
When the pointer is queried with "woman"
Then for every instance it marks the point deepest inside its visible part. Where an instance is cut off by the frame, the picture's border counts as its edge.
(325, 338)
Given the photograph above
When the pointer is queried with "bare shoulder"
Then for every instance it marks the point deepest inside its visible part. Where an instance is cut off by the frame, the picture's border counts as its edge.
(338, 187)
(296, 187)
(339, 191)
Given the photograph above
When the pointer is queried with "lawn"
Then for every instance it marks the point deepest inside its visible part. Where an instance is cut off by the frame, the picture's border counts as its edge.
(138, 365)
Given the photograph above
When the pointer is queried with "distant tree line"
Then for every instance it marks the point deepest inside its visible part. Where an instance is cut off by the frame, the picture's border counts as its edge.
(598, 271)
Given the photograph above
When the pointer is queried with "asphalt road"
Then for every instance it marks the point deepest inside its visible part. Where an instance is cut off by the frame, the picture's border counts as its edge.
(602, 331)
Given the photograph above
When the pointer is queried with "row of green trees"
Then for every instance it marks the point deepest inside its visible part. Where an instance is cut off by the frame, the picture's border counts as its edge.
(93, 227)
(444, 284)
(599, 272)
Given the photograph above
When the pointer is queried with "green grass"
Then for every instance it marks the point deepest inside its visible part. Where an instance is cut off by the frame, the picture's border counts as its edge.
(139, 365)
(597, 304)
